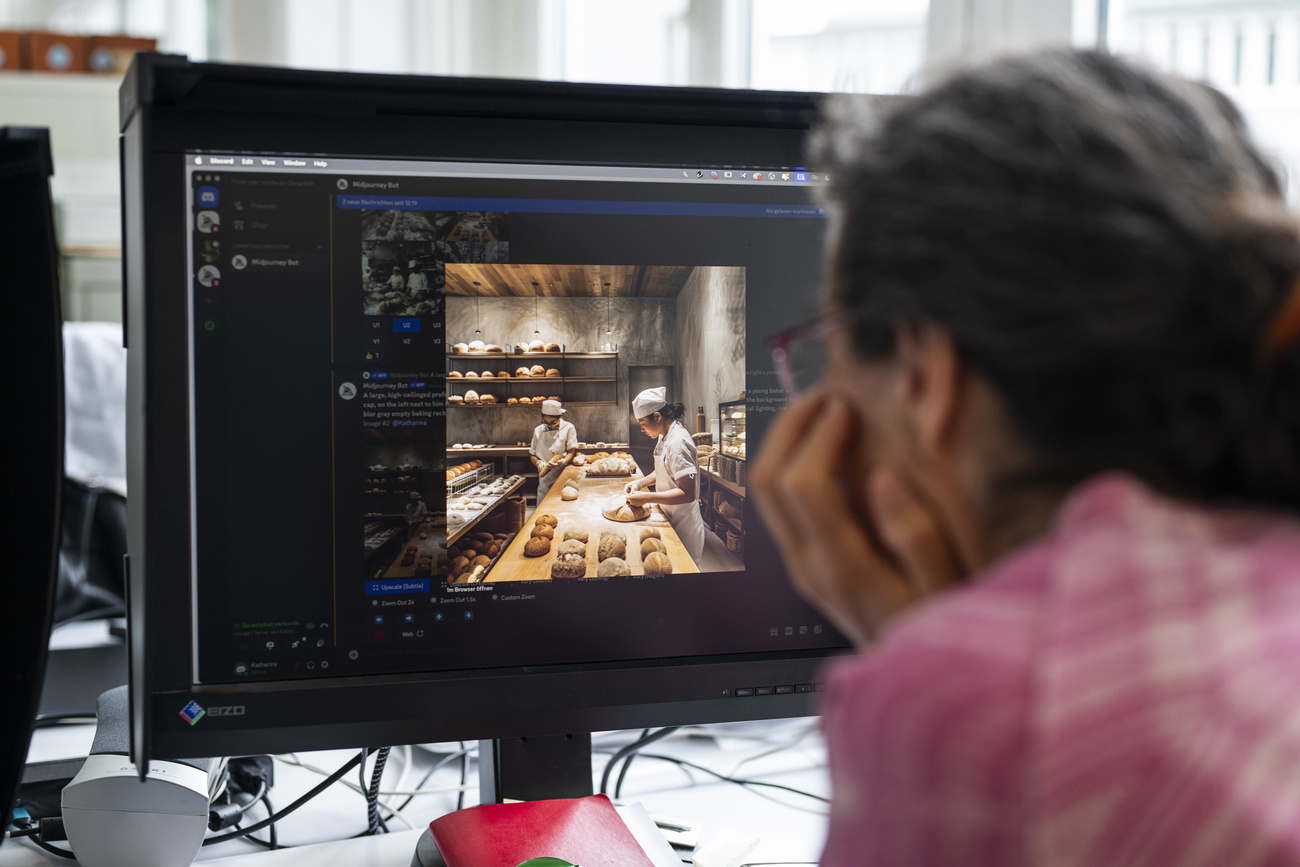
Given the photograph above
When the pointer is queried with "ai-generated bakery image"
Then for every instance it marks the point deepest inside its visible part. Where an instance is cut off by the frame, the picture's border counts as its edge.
(405, 520)
(595, 421)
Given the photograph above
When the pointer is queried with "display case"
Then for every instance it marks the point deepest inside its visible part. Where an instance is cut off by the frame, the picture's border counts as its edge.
(576, 378)
(722, 496)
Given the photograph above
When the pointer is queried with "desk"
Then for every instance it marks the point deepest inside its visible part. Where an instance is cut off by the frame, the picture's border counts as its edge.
(789, 833)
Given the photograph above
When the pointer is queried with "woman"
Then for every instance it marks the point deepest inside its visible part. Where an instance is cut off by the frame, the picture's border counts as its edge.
(555, 442)
(677, 469)
(1060, 408)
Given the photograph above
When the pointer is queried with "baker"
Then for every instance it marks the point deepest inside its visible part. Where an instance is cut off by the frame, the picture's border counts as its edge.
(555, 442)
(677, 469)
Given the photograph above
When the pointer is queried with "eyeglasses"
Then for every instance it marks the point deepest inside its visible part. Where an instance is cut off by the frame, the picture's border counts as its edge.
(800, 352)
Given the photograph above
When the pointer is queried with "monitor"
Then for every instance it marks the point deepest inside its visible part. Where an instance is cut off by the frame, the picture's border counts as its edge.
(340, 287)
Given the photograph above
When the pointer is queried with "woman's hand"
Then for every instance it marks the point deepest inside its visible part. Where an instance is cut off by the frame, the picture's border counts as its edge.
(638, 498)
(631, 487)
(858, 574)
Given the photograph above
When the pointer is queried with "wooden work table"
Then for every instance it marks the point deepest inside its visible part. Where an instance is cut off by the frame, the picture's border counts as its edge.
(584, 512)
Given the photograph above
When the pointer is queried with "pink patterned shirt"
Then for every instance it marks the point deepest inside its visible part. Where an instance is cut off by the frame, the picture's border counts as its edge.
(1123, 691)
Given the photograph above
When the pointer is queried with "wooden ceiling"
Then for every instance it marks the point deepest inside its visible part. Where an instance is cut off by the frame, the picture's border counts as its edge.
(567, 281)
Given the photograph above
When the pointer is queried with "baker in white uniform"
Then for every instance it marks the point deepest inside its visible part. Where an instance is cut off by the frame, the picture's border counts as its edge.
(677, 469)
(555, 442)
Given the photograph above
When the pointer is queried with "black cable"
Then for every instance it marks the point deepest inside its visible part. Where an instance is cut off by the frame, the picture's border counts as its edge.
(273, 842)
(627, 763)
(442, 763)
(737, 780)
(53, 850)
(633, 747)
(275, 817)
(373, 823)
(46, 720)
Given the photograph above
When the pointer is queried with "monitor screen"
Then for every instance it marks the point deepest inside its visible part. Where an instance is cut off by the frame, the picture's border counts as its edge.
(351, 347)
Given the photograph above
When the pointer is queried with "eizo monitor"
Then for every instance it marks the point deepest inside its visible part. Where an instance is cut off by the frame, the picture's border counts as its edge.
(348, 299)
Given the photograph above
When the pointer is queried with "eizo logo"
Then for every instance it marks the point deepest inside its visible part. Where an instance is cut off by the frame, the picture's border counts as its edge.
(227, 710)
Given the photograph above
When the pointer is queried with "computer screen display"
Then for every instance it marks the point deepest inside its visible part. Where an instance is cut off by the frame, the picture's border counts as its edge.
(350, 352)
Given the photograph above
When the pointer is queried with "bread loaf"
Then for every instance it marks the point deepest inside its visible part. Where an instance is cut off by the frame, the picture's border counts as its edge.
(537, 546)
(544, 531)
(477, 346)
(460, 348)
(512, 401)
(522, 371)
(578, 533)
(536, 346)
(569, 493)
(658, 564)
(573, 546)
(537, 370)
(612, 544)
(521, 347)
(618, 509)
(652, 546)
(471, 374)
(551, 371)
(548, 519)
(455, 399)
(650, 533)
(487, 374)
(569, 566)
(503, 374)
(612, 567)
(454, 374)
(552, 347)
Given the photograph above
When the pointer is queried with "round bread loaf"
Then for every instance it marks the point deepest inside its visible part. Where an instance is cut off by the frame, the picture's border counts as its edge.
(569, 493)
(536, 346)
(552, 347)
(454, 374)
(617, 509)
(487, 374)
(503, 374)
(477, 346)
(537, 370)
(522, 371)
(494, 347)
(650, 533)
(658, 564)
(471, 396)
(455, 399)
(612, 567)
(552, 371)
(652, 546)
(579, 460)
(512, 401)
(488, 399)
(471, 374)
(555, 397)
(460, 348)
(481, 560)
(537, 546)
(573, 546)
(521, 347)
(577, 533)
(611, 545)
(548, 519)
(546, 532)
(458, 565)
(569, 566)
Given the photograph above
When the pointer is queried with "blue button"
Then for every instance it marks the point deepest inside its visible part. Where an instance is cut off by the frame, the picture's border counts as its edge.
(408, 618)
(469, 615)
(437, 617)
(406, 324)
(800, 176)
(208, 197)
(379, 620)
(398, 585)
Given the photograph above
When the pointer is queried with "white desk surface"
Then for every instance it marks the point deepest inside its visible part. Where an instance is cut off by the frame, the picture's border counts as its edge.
(791, 827)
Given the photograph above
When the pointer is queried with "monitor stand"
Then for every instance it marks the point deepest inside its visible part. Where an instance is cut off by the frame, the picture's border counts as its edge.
(524, 769)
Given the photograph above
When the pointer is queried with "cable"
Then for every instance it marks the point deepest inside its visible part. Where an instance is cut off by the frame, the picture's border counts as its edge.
(633, 747)
(464, 776)
(272, 819)
(738, 781)
(446, 760)
(627, 763)
(53, 850)
(48, 720)
(373, 823)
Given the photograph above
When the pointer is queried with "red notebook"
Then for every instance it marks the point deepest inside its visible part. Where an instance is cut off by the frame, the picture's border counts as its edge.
(584, 831)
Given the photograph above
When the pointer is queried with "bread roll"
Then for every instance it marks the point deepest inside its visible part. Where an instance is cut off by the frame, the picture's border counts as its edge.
(537, 370)
(548, 519)
(552, 347)
(503, 374)
(569, 566)
(512, 401)
(612, 544)
(650, 533)
(578, 533)
(493, 347)
(522, 371)
(569, 493)
(551, 371)
(521, 347)
(477, 346)
(471, 374)
(481, 560)
(458, 565)
(544, 531)
(658, 564)
(652, 546)
(538, 546)
(579, 460)
(573, 546)
(471, 396)
(455, 399)
(612, 567)
(536, 346)
(489, 399)
(460, 348)
(455, 374)
(487, 374)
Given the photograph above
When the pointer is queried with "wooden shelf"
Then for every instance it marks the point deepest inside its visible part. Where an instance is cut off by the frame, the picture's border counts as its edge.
(715, 479)
(453, 535)
(731, 522)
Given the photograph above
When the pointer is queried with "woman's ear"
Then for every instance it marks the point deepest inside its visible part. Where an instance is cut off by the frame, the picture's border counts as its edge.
(932, 385)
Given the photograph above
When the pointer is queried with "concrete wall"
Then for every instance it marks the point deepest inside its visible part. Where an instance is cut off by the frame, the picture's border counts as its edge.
(711, 334)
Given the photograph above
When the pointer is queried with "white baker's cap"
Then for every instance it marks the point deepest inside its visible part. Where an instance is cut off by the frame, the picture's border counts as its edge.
(552, 407)
(648, 401)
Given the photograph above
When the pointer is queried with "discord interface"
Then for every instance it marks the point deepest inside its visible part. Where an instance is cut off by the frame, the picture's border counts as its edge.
(318, 373)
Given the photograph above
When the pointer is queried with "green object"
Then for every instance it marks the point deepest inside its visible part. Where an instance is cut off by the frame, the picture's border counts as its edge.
(547, 862)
